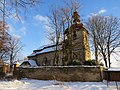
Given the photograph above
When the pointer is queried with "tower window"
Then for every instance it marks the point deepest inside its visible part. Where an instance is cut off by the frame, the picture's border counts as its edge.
(76, 28)
(74, 35)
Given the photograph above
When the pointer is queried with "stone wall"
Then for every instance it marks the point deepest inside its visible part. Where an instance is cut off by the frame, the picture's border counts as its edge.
(112, 75)
(64, 73)
(40, 58)
(50, 57)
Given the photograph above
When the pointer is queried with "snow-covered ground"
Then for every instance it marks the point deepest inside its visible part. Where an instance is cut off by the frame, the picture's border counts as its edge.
(31, 84)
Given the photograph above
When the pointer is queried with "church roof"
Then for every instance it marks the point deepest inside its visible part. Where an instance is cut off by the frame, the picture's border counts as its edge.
(45, 49)
(50, 49)
(42, 47)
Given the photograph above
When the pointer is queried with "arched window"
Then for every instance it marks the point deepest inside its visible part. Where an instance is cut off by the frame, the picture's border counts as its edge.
(44, 63)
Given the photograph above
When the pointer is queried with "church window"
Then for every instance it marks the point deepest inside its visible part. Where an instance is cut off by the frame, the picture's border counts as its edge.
(74, 35)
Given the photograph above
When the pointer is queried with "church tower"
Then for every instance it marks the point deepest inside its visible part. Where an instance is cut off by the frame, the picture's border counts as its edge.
(78, 40)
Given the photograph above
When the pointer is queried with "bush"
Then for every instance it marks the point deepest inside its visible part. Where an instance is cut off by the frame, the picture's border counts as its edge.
(75, 62)
(90, 62)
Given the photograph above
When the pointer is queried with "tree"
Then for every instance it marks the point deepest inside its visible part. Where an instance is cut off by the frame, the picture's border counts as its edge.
(55, 35)
(105, 33)
(4, 37)
(14, 7)
(11, 8)
(71, 7)
(14, 49)
(60, 19)
(68, 11)
(9, 46)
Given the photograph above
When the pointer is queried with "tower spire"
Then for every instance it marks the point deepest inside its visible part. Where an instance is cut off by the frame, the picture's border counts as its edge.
(76, 17)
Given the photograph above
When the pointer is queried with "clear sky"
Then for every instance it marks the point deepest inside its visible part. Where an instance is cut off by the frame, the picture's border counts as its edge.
(32, 26)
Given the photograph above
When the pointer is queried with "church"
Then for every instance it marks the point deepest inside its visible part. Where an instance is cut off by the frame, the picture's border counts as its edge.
(74, 48)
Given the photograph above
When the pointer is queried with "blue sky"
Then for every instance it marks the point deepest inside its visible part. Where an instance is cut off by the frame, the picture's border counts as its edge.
(32, 29)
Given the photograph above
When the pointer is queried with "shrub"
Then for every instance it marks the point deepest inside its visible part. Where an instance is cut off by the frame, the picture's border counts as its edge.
(91, 62)
(75, 62)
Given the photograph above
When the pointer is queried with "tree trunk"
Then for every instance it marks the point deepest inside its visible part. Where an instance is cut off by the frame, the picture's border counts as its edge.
(108, 55)
(105, 60)
(11, 59)
(96, 50)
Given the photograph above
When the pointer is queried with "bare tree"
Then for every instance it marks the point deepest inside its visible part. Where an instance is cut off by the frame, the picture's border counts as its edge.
(4, 36)
(60, 20)
(105, 32)
(14, 49)
(56, 33)
(10, 8)
(71, 7)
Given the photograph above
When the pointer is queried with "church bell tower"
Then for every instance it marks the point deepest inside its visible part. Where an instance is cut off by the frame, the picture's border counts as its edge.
(78, 37)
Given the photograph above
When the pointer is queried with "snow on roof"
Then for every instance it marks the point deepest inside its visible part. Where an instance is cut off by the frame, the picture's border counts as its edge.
(46, 49)
(49, 49)
(31, 62)
(41, 47)
(33, 54)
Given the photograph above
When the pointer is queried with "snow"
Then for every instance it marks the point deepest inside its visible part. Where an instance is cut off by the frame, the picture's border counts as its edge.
(31, 62)
(31, 84)
(9, 74)
(33, 54)
(114, 69)
(46, 49)
(49, 49)
(40, 48)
